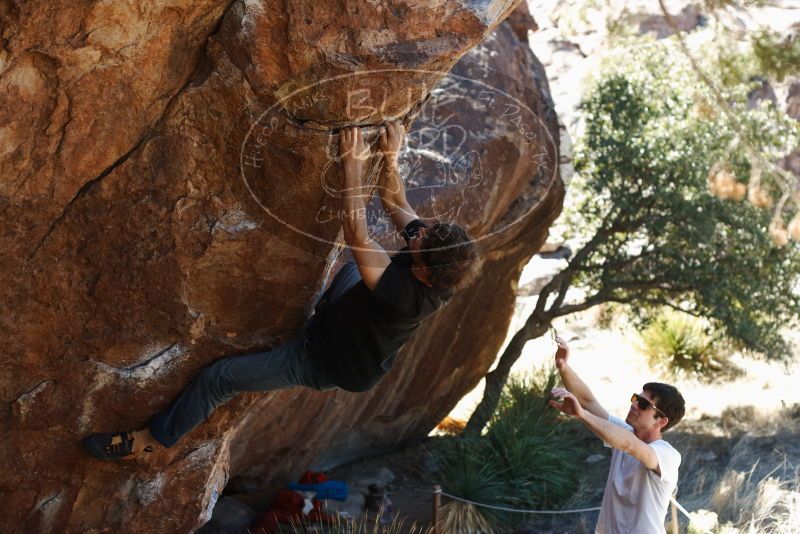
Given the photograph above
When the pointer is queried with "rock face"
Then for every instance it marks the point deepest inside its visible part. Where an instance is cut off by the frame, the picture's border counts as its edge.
(168, 196)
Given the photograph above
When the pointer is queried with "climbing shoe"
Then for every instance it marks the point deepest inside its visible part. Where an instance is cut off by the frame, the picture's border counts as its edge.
(113, 446)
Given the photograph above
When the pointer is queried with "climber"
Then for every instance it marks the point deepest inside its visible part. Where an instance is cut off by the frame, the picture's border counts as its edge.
(372, 307)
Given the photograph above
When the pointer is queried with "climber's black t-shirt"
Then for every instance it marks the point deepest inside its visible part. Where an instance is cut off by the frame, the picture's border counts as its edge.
(354, 339)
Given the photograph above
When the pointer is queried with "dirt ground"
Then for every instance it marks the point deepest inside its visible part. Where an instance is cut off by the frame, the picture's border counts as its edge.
(411, 491)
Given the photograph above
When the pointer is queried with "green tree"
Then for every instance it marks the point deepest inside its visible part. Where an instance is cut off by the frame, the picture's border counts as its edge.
(656, 237)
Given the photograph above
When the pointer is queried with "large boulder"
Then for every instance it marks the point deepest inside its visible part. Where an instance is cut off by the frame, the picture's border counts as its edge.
(168, 185)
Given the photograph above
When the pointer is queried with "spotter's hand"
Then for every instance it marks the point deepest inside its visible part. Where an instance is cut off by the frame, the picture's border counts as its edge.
(562, 353)
(565, 402)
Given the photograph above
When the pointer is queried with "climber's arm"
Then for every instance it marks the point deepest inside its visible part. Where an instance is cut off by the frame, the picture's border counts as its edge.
(391, 188)
(372, 260)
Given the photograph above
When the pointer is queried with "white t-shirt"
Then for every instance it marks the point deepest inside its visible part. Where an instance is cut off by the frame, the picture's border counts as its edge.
(636, 498)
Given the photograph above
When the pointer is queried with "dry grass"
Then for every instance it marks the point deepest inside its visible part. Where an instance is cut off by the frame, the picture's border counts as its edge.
(769, 504)
(755, 487)
(463, 518)
(362, 525)
(451, 426)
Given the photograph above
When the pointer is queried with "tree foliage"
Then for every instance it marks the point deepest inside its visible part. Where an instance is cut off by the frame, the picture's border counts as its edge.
(645, 161)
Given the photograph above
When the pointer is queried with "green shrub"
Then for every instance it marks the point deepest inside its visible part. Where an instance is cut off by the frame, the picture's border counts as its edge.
(679, 342)
(525, 437)
(524, 460)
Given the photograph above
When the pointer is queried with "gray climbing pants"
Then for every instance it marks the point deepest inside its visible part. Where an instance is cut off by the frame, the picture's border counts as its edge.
(286, 366)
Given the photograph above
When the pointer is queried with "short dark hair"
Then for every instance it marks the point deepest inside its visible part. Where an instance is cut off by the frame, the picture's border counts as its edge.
(450, 256)
(667, 399)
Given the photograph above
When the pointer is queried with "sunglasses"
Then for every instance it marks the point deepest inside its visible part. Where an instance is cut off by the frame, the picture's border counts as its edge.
(644, 403)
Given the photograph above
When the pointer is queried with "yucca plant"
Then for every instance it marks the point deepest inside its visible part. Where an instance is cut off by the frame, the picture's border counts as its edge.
(679, 342)
(467, 469)
(521, 437)
(521, 462)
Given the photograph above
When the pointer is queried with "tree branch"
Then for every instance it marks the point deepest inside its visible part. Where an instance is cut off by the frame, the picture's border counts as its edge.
(598, 298)
(563, 279)
(495, 381)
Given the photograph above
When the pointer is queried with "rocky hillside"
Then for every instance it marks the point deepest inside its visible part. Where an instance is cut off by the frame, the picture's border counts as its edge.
(168, 196)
